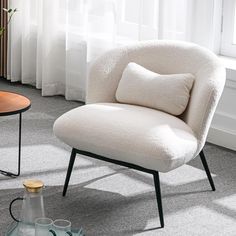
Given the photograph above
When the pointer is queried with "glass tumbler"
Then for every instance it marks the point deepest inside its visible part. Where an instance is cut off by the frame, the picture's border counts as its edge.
(43, 227)
(62, 227)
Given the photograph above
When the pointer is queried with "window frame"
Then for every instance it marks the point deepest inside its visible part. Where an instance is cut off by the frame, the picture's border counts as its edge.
(228, 48)
(129, 31)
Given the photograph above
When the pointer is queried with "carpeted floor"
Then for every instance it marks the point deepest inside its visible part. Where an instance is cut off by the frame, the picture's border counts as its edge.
(111, 200)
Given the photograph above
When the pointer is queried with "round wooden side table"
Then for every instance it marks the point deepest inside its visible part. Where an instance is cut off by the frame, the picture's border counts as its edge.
(12, 104)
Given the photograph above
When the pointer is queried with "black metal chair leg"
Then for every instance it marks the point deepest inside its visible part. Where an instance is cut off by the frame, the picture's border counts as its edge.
(69, 170)
(204, 162)
(158, 196)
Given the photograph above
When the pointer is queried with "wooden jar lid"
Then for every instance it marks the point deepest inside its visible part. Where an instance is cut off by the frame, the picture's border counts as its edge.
(33, 185)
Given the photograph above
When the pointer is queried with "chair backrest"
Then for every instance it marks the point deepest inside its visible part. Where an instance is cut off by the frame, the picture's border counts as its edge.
(164, 57)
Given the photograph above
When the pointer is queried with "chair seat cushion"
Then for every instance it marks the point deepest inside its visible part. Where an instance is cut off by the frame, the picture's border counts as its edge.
(142, 136)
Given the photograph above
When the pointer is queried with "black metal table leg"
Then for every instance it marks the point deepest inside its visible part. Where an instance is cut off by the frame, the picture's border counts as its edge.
(10, 174)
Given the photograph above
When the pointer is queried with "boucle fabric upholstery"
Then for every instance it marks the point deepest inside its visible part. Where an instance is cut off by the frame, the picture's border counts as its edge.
(165, 57)
(169, 93)
(139, 135)
(134, 134)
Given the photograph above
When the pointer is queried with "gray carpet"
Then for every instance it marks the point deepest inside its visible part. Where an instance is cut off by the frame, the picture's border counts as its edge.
(111, 200)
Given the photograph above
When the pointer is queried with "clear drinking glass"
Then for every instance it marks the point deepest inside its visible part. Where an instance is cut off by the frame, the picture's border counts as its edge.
(62, 227)
(43, 227)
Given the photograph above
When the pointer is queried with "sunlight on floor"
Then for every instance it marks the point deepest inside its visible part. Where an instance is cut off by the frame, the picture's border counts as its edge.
(133, 188)
(228, 202)
(183, 175)
(48, 163)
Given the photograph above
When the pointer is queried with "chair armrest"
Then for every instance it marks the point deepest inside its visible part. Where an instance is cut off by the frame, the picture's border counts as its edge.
(203, 102)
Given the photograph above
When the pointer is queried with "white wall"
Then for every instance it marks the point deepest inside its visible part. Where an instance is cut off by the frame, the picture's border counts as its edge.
(223, 128)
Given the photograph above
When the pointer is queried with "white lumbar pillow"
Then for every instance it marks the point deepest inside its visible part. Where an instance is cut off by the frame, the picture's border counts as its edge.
(169, 93)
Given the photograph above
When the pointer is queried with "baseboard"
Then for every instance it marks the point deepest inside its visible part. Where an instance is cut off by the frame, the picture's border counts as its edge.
(222, 138)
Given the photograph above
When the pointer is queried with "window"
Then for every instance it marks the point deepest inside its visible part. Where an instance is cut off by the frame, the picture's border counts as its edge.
(137, 19)
(150, 19)
(228, 40)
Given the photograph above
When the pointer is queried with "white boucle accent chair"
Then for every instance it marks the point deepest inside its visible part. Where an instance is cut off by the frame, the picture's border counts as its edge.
(139, 137)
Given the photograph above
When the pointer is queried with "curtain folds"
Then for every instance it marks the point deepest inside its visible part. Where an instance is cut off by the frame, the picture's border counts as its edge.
(52, 43)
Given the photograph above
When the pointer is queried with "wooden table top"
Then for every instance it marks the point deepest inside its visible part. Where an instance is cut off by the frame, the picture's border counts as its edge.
(13, 103)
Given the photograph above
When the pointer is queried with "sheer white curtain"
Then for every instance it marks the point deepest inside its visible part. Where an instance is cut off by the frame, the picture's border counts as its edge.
(52, 42)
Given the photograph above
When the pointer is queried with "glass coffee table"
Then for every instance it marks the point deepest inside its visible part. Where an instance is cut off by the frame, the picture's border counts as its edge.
(12, 230)
(13, 104)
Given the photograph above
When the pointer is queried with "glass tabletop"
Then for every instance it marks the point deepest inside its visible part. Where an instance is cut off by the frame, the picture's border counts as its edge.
(12, 230)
